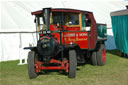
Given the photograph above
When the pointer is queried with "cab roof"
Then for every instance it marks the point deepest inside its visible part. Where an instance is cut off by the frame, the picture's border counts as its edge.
(60, 10)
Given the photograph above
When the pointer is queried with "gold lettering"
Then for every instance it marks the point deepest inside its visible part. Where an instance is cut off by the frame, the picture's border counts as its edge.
(81, 39)
(69, 39)
(75, 39)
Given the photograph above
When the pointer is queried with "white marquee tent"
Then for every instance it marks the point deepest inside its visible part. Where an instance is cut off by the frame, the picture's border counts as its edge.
(16, 17)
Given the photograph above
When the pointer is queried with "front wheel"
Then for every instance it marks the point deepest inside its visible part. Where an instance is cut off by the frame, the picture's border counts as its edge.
(31, 66)
(72, 64)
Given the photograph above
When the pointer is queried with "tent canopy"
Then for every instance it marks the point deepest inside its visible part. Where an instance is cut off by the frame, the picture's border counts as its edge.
(120, 29)
(16, 16)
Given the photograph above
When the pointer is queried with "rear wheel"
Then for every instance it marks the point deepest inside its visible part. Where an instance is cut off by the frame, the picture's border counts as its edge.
(31, 66)
(72, 64)
(101, 55)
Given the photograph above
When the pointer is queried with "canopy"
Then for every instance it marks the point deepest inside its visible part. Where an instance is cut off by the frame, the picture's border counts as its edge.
(120, 29)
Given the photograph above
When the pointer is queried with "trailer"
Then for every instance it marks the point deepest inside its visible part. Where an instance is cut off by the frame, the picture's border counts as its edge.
(67, 37)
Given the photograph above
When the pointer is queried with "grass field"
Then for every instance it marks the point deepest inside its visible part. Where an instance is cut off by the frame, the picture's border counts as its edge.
(115, 72)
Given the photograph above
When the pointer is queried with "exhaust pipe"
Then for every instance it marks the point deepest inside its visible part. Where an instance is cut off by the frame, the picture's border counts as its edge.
(46, 17)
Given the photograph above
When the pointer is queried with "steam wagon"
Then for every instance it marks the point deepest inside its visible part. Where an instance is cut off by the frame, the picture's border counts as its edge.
(67, 37)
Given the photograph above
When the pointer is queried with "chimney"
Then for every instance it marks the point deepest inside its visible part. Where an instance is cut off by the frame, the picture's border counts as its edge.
(46, 16)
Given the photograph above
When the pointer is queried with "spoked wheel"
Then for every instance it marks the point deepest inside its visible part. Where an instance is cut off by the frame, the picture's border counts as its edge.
(31, 66)
(101, 55)
(72, 64)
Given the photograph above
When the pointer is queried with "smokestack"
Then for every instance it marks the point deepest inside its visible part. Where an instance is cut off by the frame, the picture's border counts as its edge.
(126, 6)
(46, 17)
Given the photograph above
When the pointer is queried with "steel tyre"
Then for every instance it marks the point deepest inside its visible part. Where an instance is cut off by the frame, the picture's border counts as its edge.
(72, 64)
(31, 67)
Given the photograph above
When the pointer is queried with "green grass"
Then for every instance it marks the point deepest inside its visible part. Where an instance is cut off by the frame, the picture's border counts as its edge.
(115, 72)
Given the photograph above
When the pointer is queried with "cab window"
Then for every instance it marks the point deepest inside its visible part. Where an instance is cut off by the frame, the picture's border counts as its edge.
(73, 19)
(65, 19)
(88, 21)
(57, 18)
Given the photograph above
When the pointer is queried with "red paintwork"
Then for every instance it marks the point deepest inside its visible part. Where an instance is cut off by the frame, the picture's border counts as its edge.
(78, 38)
(73, 28)
(93, 33)
(103, 56)
(63, 65)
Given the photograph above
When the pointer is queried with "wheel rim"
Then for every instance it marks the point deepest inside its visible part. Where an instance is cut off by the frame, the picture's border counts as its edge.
(103, 56)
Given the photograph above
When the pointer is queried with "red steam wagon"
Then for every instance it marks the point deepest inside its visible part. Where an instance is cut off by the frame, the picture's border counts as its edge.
(67, 37)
